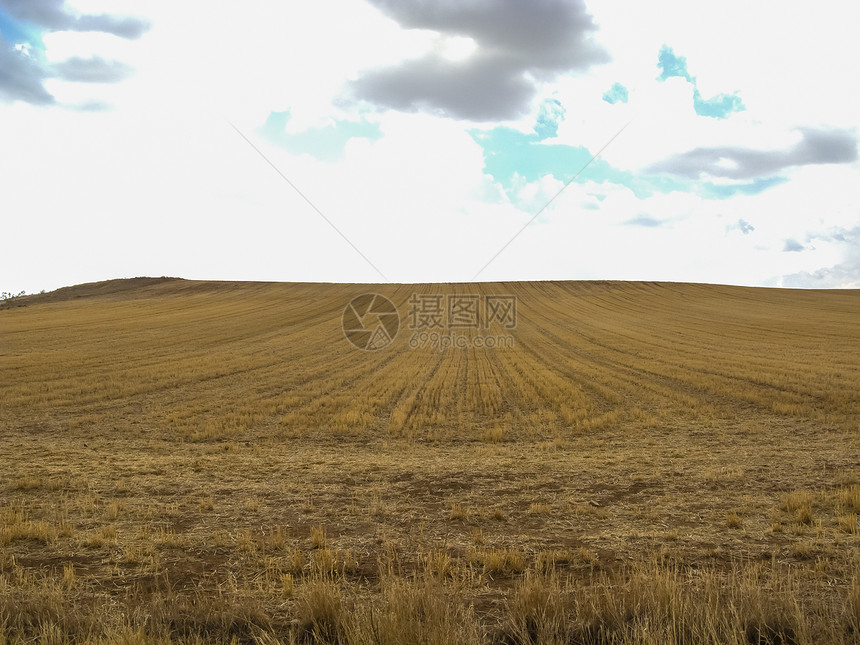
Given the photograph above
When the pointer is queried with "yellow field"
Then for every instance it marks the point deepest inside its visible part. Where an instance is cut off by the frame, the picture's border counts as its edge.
(643, 462)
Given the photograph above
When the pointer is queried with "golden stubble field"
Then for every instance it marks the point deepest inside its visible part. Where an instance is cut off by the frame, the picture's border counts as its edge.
(200, 462)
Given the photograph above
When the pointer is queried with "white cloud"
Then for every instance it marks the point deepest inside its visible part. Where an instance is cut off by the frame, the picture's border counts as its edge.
(161, 184)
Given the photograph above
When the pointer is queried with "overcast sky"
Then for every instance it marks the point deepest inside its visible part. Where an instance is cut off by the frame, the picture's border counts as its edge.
(143, 138)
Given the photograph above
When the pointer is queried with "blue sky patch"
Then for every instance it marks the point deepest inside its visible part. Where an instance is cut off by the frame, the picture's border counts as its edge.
(717, 107)
(15, 32)
(326, 143)
(550, 115)
(511, 157)
(724, 191)
(671, 65)
(616, 94)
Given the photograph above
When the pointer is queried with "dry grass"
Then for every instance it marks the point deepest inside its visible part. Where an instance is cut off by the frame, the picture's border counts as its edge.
(201, 462)
(799, 504)
(733, 520)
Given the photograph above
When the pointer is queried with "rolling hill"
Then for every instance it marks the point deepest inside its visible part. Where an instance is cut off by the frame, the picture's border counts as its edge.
(522, 462)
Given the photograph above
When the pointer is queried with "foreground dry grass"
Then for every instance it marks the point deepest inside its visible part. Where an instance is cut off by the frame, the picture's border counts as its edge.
(213, 462)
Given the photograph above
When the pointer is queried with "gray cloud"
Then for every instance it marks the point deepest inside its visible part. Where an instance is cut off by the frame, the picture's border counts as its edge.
(91, 70)
(21, 77)
(482, 91)
(745, 227)
(843, 275)
(792, 246)
(838, 234)
(741, 225)
(816, 147)
(53, 15)
(518, 42)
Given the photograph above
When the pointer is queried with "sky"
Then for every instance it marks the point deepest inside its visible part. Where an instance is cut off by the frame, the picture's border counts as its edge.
(429, 140)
